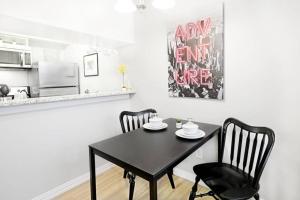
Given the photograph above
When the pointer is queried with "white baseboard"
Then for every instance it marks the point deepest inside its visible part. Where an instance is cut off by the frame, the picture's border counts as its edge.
(71, 184)
(187, 175)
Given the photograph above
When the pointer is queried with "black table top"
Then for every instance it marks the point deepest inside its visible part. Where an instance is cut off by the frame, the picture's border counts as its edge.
(150, 154)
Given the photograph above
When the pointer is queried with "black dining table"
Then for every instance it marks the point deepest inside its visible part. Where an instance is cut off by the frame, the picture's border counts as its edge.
(148, 154)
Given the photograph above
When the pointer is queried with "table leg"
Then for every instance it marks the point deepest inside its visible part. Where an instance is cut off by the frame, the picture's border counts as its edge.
(92, 175)
(131, 177)
(170, 176)
(153, 189)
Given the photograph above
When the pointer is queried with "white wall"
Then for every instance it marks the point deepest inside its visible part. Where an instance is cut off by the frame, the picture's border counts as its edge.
(261, 70)
(41, 150)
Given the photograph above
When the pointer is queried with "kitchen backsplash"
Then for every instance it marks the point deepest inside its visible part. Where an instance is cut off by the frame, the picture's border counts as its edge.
(13, 77)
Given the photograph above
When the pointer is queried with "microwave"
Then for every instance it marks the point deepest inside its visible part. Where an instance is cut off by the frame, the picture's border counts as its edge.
(15, 57)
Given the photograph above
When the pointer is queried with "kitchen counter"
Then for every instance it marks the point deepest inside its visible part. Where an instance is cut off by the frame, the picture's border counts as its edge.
(40, 100)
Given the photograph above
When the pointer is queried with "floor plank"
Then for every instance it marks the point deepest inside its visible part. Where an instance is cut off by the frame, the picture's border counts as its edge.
(112, 186)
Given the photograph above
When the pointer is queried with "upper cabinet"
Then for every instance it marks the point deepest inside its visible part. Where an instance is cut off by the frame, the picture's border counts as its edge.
(14, 52)
(39, 34)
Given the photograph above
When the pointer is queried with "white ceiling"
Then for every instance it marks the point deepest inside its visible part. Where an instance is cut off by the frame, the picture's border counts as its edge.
(88, 16)
(186, 10)
(98, 16)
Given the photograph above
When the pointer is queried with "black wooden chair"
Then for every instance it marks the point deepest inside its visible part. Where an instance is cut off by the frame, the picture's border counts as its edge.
(236, 178)
(129, 122)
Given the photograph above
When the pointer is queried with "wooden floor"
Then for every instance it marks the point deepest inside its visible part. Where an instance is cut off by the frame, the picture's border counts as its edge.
(112, 186)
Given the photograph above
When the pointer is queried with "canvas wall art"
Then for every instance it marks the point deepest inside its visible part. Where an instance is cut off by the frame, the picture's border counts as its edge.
(196, 58)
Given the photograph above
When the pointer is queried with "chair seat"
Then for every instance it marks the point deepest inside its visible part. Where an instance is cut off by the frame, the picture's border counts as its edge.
(227, 182)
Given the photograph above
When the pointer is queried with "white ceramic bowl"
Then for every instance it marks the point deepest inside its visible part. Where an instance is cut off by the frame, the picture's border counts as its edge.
(190, 128)
(155, 121)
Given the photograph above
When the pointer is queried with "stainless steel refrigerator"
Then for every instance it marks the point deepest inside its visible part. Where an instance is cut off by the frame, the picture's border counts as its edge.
(54, 79)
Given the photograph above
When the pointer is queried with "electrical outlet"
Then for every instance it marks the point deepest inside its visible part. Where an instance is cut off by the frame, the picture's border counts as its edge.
(199, 154)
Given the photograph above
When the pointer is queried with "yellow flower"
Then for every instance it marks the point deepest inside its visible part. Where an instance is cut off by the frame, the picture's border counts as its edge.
(122, 69)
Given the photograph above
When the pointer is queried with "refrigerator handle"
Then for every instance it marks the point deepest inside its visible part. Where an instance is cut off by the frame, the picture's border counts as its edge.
(21, 59)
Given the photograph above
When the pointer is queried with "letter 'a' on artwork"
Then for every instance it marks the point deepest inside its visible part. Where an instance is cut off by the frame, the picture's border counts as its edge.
(196, 58)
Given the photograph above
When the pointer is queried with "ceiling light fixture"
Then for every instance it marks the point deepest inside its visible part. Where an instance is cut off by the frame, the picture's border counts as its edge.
(141, 5)
(125, 6)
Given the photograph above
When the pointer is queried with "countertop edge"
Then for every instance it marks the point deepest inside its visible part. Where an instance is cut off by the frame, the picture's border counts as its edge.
(39, 100)
(46, 103)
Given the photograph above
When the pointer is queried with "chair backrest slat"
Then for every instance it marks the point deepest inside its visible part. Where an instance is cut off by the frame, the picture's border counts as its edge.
(222, 145)
(144, 119)
(128, 125)
(253, 154)
(262, 145)
(137, 119)
(238, 159)
(248, 149)
(132, 123)
(232, 145)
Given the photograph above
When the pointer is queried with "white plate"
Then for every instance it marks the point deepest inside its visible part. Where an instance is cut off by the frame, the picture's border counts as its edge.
(155, 128)
(197, 135)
